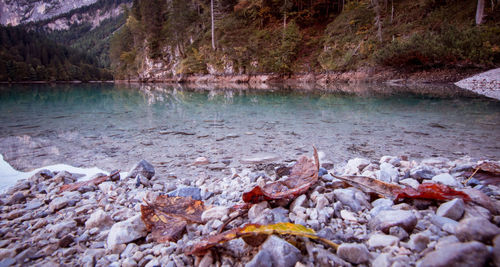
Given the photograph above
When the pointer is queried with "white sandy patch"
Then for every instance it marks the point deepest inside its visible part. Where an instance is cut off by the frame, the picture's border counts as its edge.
(9, 176)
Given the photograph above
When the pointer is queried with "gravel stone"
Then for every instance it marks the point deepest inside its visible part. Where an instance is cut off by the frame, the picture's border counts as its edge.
(453, 209)
(457, 255)
(381, 240)
(446, 179)
(126, 231)
(353, 253)
(386, 219)
(478, 229)
(282, 253)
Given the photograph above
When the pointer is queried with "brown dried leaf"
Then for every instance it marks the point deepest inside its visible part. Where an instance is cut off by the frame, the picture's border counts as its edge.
(95, 181)
(255, 230)
(302, 175)
(370, 185)
(424, 191)
(167, 217)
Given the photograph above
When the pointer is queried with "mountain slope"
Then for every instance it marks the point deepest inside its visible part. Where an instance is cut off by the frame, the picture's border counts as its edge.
(86, 29)
(15, 12)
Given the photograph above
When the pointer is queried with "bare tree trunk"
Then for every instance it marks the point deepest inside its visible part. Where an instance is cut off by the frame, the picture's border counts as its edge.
(480, 12)
(213, 27)
(284, 22)
(378, 20)
(392, 11)
(284, 18)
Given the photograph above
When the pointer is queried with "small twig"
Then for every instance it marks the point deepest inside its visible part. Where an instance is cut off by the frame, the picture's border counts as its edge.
(470, 177)
(240, 213)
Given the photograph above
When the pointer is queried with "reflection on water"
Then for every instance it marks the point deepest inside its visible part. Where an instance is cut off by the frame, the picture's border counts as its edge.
(114, 126)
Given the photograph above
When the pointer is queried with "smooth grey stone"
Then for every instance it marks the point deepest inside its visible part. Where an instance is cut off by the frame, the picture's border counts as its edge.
(386, 219)
(496, 250)
(261, 259)
(457, 255)
(349, 197)
(142, 167)
(17, 198)
(353, 253)
(282, 253)
(189, 191)
(446, 179)
(453, 209)
(7, 262)
(477, 228)
(423, 172)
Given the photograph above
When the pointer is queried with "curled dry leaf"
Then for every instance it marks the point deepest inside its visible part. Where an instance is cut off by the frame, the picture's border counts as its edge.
(302, 175)
(95, 181)
(166, 217)
(255, 230)
(432, 192)
(424, 191)
(370, 185)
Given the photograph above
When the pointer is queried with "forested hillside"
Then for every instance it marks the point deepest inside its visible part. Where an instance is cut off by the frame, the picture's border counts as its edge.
(87, 29)
(69, 46)
(168, 38)
(31, 57)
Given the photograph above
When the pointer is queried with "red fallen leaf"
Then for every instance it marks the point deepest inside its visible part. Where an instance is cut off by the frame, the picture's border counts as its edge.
(430, 191)
(302, 175)
(166, 217)
(252, 233)
(424, 191)
(95, 181)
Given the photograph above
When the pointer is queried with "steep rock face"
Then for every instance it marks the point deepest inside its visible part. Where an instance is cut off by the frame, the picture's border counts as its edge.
(93, 17)
(16, 12)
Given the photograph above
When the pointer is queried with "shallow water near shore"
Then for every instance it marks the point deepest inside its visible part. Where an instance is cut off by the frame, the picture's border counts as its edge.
(114, 126)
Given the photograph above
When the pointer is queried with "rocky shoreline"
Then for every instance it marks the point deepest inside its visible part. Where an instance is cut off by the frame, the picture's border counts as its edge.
(362, 75)
(101, 225)
(486, 83)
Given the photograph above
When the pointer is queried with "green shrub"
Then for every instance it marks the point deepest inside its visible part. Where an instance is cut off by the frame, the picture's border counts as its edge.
(468, 47)
(192, 63)
(287, 52)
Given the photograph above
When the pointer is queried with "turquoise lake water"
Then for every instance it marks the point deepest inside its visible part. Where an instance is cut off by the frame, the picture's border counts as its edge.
(113, 126)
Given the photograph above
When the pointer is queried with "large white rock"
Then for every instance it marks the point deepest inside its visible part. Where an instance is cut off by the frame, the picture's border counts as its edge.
(381, 240)
(446, 179)
(453, 209)
(387, 173)
(354, 166)
(126, 231)
(215, 213)
(98, 219)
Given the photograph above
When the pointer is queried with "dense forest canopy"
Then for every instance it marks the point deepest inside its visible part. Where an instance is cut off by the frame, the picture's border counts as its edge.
(284, 36)
(27, 56)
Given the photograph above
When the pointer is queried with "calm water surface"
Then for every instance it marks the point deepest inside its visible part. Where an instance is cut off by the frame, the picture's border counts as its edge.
(114, 126)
